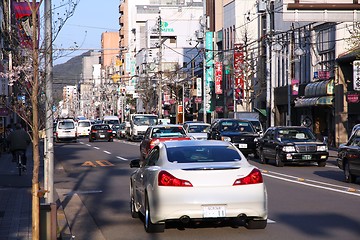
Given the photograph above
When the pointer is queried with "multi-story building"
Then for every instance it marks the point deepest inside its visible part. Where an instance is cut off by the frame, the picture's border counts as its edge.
(160, 38)
(91, 77)
(288, 61)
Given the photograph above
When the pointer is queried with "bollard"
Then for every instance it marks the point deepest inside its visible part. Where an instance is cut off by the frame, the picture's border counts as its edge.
(47, 221)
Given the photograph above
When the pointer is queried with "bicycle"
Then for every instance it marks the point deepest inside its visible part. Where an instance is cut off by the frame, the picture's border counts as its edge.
(20, 156)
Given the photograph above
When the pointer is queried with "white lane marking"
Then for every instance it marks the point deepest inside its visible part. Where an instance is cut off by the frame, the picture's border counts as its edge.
(270, 221)
(97, 148)
(313, 185)
(107, 152)
(88, 145)
(82, 192)
(308, 180)
(331, 166)
(121, 158)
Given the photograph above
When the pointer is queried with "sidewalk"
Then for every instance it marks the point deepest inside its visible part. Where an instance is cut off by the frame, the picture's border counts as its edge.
(15, 199)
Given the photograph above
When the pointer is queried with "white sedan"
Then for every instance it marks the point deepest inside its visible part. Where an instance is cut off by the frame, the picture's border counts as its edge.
(191, 181)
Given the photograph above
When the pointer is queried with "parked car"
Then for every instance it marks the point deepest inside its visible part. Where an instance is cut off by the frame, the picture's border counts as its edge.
(83, 127)
(121, 131)
(160, 133)
(101, 132)
(174, 182)
(240, 132)
(197, 130)
(65, 130)
(291, 144)
(349, 157)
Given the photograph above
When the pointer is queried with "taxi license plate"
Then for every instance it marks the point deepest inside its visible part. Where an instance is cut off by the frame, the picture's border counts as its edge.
(214, 211)
(102, 135)
(242, 145)
(306, 157)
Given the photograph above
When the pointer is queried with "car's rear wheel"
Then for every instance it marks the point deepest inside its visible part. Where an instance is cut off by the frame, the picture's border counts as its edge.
(321, 164)
(149, 226)
(263, 160)
(255, 224)
(349, 178)
(278, 161)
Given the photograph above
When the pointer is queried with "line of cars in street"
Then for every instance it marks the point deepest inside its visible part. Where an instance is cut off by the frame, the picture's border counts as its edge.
(70, 129)
(176, 173)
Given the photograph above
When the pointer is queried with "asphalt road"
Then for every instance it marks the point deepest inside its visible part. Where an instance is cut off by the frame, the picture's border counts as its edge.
(305, 202)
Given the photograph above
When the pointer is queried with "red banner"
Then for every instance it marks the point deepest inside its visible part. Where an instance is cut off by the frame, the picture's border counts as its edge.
(23, 14)
(218, 77)
(238, 71)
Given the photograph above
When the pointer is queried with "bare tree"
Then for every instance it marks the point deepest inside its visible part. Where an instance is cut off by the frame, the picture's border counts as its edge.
(27, 82)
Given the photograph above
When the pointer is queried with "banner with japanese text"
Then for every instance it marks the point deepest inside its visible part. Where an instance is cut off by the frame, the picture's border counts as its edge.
(238, 71)
(218, 77)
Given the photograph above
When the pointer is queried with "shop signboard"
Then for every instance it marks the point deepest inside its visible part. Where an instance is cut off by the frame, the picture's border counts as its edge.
(356, 75)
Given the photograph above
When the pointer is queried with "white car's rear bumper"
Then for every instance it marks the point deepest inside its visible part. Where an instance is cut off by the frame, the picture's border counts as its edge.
(168, 203)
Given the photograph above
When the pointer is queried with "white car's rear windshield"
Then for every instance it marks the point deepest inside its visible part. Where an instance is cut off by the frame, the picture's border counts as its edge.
(66, 125)
(84, 124)
(203, 154)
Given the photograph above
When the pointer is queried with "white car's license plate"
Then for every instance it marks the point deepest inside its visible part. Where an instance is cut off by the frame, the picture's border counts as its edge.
(242, 145)
(102, 136)
(214, 211)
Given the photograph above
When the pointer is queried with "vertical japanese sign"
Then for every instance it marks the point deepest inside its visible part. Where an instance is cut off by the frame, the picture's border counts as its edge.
(209, 73)
(356, 75)
(218, 77)
(238, 72)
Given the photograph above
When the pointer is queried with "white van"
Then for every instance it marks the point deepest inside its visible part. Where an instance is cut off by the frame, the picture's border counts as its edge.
(83, 128)
(110, 120)
(65, 130)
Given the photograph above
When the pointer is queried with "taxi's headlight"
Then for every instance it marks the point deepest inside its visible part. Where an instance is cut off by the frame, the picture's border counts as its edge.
(322, 148)
(226, 139)
(289, 149)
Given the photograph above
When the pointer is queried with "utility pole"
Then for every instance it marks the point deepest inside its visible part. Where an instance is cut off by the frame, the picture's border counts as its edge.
(49, 157)
(160, 68)
(204, 92)
(269, 100)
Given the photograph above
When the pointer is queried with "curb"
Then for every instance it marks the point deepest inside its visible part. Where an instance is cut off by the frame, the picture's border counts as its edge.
(63, 229)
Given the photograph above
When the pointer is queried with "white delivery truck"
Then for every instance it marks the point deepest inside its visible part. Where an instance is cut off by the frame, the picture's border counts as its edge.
(138, 125)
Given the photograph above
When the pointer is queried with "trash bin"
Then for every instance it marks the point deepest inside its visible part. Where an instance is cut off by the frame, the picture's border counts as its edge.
(48, 221)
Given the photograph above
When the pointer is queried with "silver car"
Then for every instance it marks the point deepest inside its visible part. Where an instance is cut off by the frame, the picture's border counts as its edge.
(197, 130)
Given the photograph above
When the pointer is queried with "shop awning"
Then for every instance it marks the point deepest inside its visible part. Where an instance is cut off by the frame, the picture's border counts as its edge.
(261, 110)
(319, 88)
(315, 101)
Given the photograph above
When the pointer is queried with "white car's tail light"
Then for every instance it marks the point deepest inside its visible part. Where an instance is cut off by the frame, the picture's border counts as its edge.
(168, 180)
(254, 177)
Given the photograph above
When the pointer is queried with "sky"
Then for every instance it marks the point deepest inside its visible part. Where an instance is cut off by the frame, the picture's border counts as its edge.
(91, 18)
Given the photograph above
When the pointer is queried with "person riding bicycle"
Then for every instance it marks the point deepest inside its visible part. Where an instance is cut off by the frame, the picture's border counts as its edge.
(18, 140)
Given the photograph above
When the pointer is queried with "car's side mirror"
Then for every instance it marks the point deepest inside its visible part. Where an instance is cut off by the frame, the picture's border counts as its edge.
(325, 139)
(135, 163)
